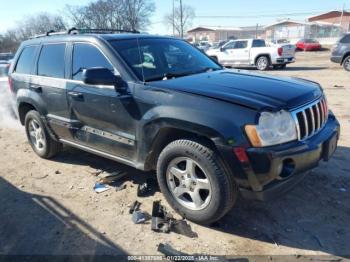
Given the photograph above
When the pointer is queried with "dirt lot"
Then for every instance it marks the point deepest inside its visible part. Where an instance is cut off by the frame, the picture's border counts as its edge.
(49, 207)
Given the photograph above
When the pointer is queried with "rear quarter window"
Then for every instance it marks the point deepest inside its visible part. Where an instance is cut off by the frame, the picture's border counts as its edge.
(25, 62)
(51, 61)
(258, 43)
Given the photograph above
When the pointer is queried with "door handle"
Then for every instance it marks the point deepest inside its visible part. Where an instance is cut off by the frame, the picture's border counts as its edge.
(36, 88)
(76, 95)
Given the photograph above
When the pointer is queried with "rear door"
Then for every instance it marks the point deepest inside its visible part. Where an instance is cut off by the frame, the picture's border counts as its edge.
(49, 84)
(101, 113)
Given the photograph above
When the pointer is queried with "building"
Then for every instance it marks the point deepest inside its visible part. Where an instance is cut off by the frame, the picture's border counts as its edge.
(339, 18)
(293, 30)
(218, 33)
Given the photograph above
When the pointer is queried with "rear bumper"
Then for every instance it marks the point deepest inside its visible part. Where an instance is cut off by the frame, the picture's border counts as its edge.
(281, 61)
(336, 59)
(275, 170)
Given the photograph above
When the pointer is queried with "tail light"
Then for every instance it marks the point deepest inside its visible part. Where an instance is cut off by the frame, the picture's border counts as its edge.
(280, 51)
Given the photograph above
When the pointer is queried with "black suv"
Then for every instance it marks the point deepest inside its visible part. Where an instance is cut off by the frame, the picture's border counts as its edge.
(158, 103)
(341, 52)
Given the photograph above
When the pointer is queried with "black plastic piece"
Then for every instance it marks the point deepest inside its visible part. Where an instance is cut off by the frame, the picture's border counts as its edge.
(134, 207)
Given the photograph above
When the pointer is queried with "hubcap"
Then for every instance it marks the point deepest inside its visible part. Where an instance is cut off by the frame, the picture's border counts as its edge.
(188, 183)
(347, 64)
(36, 134)
(262, 63)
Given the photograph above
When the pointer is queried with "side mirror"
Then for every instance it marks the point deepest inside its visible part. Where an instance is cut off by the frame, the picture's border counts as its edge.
(100, 76)
(222, 49)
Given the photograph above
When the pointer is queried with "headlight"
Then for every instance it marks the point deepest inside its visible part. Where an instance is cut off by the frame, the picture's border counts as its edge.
(273, 129)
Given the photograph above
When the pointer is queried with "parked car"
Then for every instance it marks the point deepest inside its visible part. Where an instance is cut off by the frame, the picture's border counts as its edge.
(341, 52)
(204, 46)
(308, 45)
(6, 56)
(95, 92)
(280, 41)
(253, 52)
(218, 44)
(4, 68)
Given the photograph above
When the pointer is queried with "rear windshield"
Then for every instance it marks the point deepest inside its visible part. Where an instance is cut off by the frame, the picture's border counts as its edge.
(310, 41)
(4, 70)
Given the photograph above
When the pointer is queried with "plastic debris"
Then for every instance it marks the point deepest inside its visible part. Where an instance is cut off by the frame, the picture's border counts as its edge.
(161, 221)
(148, 188)
(110, 178)
(134, 207)
(183, 228)
(100, 188)
(139, 217)
(168, 250)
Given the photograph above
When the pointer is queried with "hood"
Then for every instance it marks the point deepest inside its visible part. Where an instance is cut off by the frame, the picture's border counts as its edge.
(257, 91)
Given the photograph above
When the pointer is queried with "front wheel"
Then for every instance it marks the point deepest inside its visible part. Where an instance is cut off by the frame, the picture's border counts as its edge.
(194, 181)
(346, 63)
(262, 63)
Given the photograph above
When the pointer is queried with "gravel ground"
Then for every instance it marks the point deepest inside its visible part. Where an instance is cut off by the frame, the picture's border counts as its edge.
(49, 207)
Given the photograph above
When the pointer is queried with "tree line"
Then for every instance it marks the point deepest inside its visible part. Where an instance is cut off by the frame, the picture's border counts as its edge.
(131, 15)
(108, 14)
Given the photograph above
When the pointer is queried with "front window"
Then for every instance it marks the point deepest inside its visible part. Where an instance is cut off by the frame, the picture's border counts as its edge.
(162, 59)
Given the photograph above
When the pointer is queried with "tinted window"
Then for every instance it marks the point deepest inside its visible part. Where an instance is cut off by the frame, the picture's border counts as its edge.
(87, 56)
(230, 45)
(51, 61)
(241, 44)
(345, 39)
(258, 43)
(26, 60)
(154, 59)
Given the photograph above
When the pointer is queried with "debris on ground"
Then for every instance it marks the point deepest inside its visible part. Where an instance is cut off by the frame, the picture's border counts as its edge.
(110, 178)
(100, 188)
(161, 220)
(168, 250)
(96, 172)
(164, 222)
(57, 172)
(134, 207)
(183, 228)
(120, 188)
(140, 217)
(148, 188)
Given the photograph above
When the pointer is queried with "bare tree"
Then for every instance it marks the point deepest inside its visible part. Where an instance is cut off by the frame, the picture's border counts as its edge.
(116, 14)
(29, 27)
(180, 19)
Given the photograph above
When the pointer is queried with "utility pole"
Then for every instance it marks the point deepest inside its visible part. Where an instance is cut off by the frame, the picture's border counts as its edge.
(181, 20)
(174, 18)
(256, 31)
(342, 15)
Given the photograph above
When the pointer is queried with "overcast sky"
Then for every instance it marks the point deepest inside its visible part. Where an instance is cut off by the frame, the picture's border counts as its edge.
(245, 12)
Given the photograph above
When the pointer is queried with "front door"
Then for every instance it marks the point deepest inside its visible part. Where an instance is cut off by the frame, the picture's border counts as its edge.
(105, 123)
(240, 52)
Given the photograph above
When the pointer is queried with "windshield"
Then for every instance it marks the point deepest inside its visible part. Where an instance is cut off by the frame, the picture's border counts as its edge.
(4, 69)
(161, 59)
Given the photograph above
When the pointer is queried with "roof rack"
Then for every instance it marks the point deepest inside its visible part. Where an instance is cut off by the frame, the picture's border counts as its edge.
(77, 31)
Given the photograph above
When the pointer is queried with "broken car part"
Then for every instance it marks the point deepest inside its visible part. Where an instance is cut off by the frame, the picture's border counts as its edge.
(134, 207)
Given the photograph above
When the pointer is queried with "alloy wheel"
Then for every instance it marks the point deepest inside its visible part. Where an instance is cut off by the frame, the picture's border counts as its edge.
(188, 183)
(36, 133)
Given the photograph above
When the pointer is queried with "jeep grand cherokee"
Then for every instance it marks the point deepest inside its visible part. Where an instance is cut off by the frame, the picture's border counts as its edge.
(158, 103)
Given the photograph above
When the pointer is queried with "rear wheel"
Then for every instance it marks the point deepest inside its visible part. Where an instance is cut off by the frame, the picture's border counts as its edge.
(346, 63)
(195, 182)
(38, 137)
(262, 63)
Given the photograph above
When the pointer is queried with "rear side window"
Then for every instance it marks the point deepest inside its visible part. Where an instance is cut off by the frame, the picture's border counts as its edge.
(26, 60)
(241, 44)
(258, 43)
(345, 39)
(87, 56)
(51, 60)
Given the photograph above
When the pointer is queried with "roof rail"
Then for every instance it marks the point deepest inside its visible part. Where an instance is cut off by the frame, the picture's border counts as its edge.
(76, 31)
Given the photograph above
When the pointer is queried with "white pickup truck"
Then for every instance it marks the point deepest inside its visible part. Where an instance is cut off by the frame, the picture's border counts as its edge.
(253, 52)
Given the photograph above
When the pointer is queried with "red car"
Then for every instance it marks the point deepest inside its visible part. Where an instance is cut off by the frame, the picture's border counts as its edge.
(308, 45)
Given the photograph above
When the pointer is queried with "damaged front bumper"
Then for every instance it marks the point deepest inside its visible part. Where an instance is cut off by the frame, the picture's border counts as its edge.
(275, 170)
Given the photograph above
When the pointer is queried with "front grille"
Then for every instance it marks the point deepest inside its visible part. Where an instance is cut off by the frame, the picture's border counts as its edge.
(310, 119)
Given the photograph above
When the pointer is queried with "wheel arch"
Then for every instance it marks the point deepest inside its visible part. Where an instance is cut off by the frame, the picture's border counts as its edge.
(260, 55)
(347, 54)
(23, 109)
(168, 133)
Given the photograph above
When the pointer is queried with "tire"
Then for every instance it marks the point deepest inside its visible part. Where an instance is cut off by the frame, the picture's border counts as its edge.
(346, 63)
(38, 137)
(262, 63)
(210, 181)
